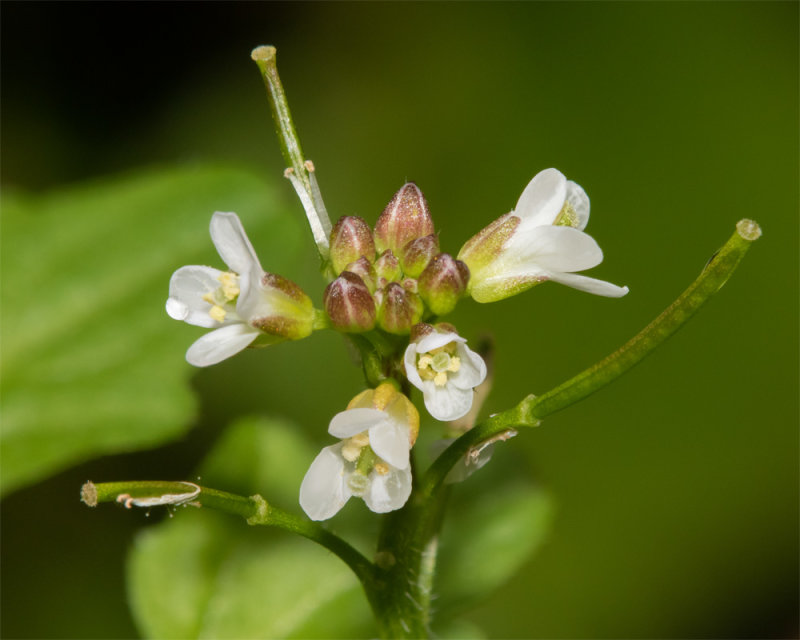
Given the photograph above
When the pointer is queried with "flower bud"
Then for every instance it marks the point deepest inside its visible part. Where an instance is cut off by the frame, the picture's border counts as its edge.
(418, 253)
(363, 269)
(399, 309)
(443, 283)
(351, 238)
(386, 397)
(404, 219)
(349, 304)
(388, 267)
(282, 308)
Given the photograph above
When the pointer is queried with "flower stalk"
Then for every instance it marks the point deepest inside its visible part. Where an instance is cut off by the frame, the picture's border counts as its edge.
(300, 171)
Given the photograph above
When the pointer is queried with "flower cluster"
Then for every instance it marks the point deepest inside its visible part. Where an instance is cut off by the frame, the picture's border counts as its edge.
(391, 281)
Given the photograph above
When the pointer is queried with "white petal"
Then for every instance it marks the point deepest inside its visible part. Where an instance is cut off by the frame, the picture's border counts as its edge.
(410, 362)
(390, 441)
(472, 371)
(348, 423)
(323, 491)
(389, 491)
(589, 285)
(221, 343)
(543, 199)
(187, 286)
(448, 402)
(232, 243)
(579, 201)
(557, 249)
(435, 340)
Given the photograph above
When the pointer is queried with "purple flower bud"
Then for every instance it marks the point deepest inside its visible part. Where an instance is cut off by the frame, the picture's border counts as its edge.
(399, 309)
(388, 267)
(404, 219)
(418, 253)
(363, 269)
(349, 304)
(351, 238)
(443, 283)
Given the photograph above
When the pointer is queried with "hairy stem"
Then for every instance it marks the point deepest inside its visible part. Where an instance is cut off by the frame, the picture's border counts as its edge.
(254, 509)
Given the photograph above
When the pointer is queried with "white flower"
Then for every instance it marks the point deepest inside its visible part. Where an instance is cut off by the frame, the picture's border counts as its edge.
(542, 239)
(442, 366)
(241, 304)
(371, 462)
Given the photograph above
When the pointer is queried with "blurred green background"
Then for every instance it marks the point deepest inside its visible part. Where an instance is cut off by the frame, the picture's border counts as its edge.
(675, 489)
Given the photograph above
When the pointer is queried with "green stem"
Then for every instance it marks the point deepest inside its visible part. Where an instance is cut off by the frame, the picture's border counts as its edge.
(532, 409)
(254, 509)
(300, 171)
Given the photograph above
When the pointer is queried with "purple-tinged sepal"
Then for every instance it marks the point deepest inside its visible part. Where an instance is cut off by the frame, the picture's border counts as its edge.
(417, 254)
(404, 219)
(398, 309)
(443, 283)
(349, 304)
(351, 239)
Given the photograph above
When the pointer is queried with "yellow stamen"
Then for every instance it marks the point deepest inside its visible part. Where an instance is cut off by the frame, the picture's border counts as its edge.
(351, 451)
(382, 468)
(440, 379)
(455, 364)
(217, 313)
(230, 285)
(360, 439)
(209, 298)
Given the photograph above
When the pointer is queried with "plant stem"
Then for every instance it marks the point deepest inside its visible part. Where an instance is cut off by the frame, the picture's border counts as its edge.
(300, 171)
(254, 509)
(529, 412)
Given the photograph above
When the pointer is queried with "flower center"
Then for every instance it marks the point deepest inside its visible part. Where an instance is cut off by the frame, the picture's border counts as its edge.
(438, 363)
(225, 294)
(358, 483)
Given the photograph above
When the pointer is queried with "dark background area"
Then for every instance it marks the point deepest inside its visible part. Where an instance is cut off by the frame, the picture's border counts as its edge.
(677, 487)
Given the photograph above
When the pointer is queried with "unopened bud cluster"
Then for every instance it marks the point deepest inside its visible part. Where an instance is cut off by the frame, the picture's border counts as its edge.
(395, 275)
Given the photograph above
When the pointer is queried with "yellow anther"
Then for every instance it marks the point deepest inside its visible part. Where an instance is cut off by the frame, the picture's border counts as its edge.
(360, 439)
(424, 361)
(209, 298)
(230, 285)
(351, 451)
(455, 364)
(217, 313)
(440, 379)
(381, 468)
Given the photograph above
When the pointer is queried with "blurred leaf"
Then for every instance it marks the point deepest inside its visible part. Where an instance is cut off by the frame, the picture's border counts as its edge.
(205, 575)
(486, 540)
(91, 362)
(271, 457)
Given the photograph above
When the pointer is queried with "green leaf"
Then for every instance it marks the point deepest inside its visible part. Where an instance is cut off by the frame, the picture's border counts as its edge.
(260, 455)
(91, 362)
(207, 575)
(486, 540)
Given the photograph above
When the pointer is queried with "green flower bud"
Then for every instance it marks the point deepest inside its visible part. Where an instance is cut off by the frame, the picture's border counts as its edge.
(418, 253)
(349, 304)
(351, 238)
(388, 267)
(443, 283)
(404, 219)
(290, 311)
(398, 309)
(363, 269)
